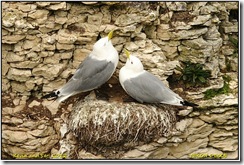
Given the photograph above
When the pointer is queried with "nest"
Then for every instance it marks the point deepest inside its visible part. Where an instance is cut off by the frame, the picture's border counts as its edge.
(101, 123)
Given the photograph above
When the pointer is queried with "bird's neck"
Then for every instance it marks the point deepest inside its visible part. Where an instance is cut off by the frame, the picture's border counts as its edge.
(133, 73)
(104, 54)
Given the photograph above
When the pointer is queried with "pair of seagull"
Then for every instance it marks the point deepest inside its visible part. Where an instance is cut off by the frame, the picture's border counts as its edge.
(100, 65)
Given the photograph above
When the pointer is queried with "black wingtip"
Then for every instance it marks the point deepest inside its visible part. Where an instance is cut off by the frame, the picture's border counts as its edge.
(50, 95)
(186, 103)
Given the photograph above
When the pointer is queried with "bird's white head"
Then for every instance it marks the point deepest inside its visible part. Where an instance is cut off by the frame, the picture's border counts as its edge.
(104, 44)
(133, 63)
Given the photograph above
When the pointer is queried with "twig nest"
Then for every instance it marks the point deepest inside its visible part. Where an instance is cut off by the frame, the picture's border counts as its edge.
(102, 123)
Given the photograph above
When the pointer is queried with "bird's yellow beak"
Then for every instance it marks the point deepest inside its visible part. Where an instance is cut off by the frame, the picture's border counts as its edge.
(110, 35)
(127, 53)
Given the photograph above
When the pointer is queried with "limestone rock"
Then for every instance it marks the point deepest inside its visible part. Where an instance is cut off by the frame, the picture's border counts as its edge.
(208, 9)
(231, 28)
(15, 136)
(232, 155)
(52, 59)
(12, 39)
(227, 144)
(67, 73)
(133, 154)
(27, 7)
(56, 84)
(42, 133)
(13, 57)
(177, 6)
(188, 34)
(65, 37)
(160, 153)
(19, 75)
(151, 47)
(31, 44)
(79, 56)
(60, 20)
(9, 19)
(25, 64)
(212, 34)
(125, 20)
(38, 14)
(180, 25)
(5, 84)
(185, 112)
(34, 103)
(64, 46)
(57, 6)
(141, 43)
(5, 67)
(229, 114)
(198, 43)
(86, 155)
(183, 124)
(30, 85)
(203, 131)
(95, 19)
(188, 147)
(106, 19)
(23, 25)
(118, 40)
(48, 72)
(46, 53)
(131, 46)
(150, 31)
(162, 140)
(165, 18)
(163, 32)
(231, 5)
(52, 106)
(199, 20)
(20, 144)
(16, 120)
(127, 29)
(146, 148)
(43, 4)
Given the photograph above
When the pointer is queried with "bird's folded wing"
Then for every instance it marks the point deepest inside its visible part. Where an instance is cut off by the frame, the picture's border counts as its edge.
(148, 88)
(90, 74)
(143, 88)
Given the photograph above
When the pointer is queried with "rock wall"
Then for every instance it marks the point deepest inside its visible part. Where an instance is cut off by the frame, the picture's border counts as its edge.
(44, 42)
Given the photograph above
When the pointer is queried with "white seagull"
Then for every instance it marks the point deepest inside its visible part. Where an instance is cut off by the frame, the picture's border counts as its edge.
(144, 86)
(93, 72)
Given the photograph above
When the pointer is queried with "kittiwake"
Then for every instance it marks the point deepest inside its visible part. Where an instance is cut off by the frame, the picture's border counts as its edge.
(144, 86)
(94, 71)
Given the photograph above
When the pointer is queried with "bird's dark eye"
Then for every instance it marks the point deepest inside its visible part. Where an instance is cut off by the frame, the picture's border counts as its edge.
(131, 62)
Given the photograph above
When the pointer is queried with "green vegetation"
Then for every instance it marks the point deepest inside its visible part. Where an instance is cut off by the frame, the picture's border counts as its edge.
(193, 74)
(210, 93)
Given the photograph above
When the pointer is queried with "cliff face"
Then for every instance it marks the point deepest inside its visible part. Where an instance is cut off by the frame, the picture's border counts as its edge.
(44, 42)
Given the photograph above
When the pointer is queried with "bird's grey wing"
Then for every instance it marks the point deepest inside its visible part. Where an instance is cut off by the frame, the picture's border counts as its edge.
(148, 88)
(90, 74)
